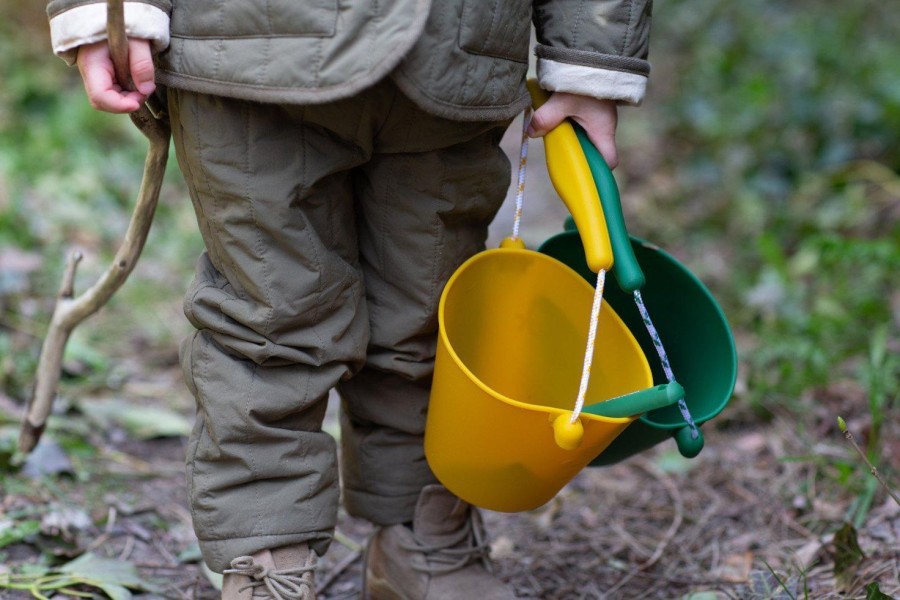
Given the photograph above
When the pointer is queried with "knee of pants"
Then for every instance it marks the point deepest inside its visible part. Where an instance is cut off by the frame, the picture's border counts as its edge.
(283, 325)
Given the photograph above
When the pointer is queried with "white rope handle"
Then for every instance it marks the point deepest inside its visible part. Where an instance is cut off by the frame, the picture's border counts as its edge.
(523, 159)
(589, 352)
(601, 276)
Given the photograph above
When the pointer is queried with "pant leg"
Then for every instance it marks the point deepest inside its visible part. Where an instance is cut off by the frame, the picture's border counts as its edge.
(280, 315)
(425, 200)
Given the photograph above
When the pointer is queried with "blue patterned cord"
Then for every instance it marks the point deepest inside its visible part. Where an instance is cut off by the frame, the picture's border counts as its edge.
(664, 359)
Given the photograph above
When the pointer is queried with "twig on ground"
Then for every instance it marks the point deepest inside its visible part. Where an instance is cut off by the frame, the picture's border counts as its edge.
(677, 519)
(677, 506)
(195, 590)
(843, 425)
(339, 568)
(127, 550)
(163, 551)
(629, 540)
(139, 466)
(107, 531)
(536, 586)
(345, 541)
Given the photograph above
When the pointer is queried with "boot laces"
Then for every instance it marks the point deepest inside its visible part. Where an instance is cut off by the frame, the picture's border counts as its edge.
(282, 584)
(460, 549)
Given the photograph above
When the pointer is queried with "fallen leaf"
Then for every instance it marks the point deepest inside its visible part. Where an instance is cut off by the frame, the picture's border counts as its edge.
(806, 556)
(65, 522)
(115, 577)
(670, 461)
(503, 547)
(12, 532)
(214, 578)
(847, 554)
(735, 568)
(47, 458)
(190, 554)
(141, 421)
(873, 592)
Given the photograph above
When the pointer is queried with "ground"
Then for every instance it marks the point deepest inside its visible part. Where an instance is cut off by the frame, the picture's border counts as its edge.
(731, 523)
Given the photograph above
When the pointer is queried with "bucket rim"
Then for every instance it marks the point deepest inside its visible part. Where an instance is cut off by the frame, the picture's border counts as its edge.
(571, 236)
(458, 362)
(722, 321)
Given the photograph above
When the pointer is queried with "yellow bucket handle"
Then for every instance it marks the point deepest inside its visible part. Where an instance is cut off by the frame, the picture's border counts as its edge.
(571, 176)
(573, 181)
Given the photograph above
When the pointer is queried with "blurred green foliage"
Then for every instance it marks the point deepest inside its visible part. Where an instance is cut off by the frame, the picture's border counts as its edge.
(759, 93)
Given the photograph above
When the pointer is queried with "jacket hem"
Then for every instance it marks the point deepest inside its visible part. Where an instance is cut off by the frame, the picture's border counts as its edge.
(267, 94)
(296, 95)
(459, 112)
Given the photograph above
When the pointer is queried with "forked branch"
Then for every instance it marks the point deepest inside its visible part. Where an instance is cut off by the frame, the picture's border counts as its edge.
(70, 309)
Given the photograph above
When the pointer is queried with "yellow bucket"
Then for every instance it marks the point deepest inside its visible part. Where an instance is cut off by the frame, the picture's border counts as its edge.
(513, 332)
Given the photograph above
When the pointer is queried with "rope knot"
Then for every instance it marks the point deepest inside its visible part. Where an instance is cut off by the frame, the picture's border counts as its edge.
(458, 550)
(284, 584)
(244, 565)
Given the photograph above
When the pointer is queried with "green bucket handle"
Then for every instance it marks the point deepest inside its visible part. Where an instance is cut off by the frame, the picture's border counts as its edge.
(638, 403)
(625, 266)
(626, 269)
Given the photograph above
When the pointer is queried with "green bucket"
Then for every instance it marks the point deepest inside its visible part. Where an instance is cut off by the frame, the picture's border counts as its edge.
(689, 321)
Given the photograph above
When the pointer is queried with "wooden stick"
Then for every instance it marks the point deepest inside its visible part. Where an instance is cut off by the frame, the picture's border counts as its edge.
(71, 310)
(118, 42)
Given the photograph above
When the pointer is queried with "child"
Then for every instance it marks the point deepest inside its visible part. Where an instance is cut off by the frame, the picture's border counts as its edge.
(343, 160)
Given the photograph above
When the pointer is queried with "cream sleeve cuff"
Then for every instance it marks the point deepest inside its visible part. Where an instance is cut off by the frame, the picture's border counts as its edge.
(86, 24)
(604, 84)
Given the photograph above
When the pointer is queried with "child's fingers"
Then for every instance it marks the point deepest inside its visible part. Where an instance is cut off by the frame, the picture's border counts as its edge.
(600, 124)
(599, 118)
(102, 91)
(140, 59)
(607, 147)
(105, 95)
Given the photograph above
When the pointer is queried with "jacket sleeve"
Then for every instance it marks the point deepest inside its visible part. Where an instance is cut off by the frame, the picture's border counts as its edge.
(74, 23)
(597, 48)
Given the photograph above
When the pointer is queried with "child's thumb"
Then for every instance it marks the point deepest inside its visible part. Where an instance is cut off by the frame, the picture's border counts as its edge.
(545, 119)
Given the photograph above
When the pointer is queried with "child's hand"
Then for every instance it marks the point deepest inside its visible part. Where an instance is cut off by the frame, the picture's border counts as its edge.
(103, 91)
(598, 117)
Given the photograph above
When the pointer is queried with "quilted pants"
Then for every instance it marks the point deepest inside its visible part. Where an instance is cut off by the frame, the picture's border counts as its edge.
(330, 231)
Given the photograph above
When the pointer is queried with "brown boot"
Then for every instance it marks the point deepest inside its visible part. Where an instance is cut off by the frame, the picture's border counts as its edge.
(443, 557)
(285, 573)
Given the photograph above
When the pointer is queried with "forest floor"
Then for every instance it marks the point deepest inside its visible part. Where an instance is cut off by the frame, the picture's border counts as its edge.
(742, 520)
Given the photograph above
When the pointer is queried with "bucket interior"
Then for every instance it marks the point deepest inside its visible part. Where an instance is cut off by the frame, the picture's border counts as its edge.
(518, 321)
